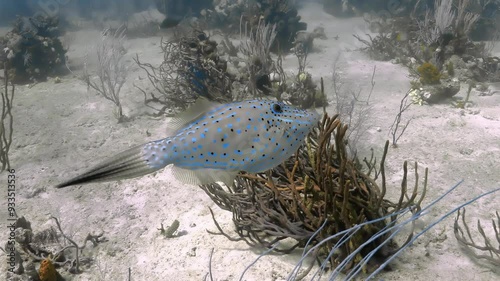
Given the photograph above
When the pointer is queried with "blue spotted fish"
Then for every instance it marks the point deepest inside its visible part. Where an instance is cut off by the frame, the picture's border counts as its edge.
(214, 142)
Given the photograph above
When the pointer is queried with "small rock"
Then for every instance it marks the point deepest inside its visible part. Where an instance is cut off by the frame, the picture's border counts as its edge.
(466, 151)
(439, 92)
(23, 236)
(485, 93)
(192, 252)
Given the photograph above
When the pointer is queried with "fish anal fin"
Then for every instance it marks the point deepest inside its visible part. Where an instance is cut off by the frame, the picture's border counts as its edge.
(204, 176)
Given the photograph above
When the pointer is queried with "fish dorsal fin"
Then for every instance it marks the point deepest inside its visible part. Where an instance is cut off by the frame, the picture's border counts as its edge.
(196, 110)
(204, 176)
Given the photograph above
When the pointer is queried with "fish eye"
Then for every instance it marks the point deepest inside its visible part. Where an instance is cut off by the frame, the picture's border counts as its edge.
(276, 108)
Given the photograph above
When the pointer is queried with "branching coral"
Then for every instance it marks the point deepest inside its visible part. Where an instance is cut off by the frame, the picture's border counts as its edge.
(111, 70)
(320, 185)
(256, 50)
(302, 91)
(191, 67)
(353, 107)
(6, 124)
(47, 248)
(488, 247)
(282, 14)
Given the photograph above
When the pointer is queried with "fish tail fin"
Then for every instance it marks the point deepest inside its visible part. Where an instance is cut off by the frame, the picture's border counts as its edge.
(131, 163)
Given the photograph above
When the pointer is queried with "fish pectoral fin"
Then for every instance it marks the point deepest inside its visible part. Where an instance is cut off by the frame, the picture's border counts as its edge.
(196, 110)
(204, 176)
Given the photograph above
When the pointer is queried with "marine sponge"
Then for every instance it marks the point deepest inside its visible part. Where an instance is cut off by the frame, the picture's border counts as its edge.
(429, 73)
(47, 271)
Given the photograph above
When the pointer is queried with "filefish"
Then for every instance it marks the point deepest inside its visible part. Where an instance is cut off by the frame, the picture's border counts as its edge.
(214, 142)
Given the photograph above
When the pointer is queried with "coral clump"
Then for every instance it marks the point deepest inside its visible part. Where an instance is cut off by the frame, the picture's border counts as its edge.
(47, 271)
(282, 14)
(429, 73)
(320, 192)
(191, 68)
(32, 49)
(285, 15)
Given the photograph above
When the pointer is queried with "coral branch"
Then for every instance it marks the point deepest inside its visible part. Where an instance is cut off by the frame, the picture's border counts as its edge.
(465, 238)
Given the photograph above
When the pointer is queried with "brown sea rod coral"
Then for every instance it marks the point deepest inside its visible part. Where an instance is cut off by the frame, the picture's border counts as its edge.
(316, 194)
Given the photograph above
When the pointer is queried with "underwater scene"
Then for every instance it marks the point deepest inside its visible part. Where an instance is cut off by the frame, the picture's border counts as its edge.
(250, 140)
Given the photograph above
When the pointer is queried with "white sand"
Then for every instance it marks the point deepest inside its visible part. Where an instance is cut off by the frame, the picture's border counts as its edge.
(62, 129)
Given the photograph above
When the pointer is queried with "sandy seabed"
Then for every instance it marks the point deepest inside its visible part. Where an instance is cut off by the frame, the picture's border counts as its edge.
(61, 129)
